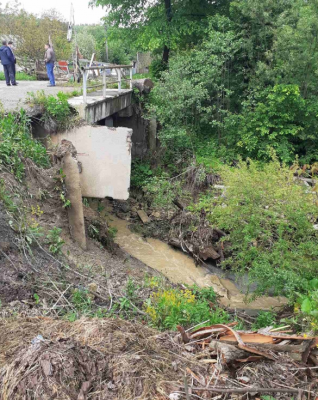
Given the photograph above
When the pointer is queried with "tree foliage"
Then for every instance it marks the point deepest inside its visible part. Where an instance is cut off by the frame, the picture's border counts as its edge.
(162, 25)
(251, 84)
(86, 43)
(30, 33)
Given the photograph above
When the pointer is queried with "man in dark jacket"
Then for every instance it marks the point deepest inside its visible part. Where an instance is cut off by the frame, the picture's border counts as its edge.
(10, 45)
(49, 62)
(7, 60)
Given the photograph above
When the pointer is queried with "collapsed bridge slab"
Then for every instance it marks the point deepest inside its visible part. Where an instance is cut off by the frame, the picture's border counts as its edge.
(105, 157)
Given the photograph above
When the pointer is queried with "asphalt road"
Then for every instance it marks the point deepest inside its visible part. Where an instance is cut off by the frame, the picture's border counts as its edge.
(13, 97)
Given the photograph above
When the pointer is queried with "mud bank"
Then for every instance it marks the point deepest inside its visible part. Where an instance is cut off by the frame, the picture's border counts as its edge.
(180, 268)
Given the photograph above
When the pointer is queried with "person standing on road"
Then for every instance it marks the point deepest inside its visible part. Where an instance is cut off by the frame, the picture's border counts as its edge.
(7, 60)
(10, 45)
(49, 62)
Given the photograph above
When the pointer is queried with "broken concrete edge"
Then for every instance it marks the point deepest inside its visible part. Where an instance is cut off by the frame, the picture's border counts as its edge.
(98, 107)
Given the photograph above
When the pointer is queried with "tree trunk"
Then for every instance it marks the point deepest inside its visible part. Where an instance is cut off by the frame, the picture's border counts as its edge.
(165, 56)
(166, 49)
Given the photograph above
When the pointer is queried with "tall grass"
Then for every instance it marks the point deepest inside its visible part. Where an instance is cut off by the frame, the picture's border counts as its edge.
(20, 76)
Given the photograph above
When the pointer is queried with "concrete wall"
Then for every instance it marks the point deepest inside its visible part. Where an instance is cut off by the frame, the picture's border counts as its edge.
(139, 127)
(105, 154)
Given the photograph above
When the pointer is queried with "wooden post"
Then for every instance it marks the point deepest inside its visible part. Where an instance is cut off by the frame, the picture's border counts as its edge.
(85, 87)
(92, 59)
(131, 76)
(104, 82)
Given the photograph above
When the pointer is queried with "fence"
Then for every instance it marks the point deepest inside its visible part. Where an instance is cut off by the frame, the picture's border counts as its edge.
(103, 69)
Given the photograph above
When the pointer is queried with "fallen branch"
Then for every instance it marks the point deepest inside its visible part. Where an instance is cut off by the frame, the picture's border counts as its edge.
(246, 390)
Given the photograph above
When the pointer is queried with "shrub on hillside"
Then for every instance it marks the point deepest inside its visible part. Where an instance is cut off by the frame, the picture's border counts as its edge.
(269, 219)
(16, 142)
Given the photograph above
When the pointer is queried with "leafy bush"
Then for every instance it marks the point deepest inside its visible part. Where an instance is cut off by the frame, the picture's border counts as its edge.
(16, 142)
(307, 305)
(269, 220)
(162, 190)
(277, 117)
(140, 172)
(55, 107)
(171, 307)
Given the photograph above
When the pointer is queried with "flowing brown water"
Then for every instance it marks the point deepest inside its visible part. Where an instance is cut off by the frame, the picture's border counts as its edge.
(178, 267)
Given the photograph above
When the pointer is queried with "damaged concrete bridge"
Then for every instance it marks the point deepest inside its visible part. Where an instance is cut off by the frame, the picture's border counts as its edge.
(112, 135)
(105, 146)
(100, 105)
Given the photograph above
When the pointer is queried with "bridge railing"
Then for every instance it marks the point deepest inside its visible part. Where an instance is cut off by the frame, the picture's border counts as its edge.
(103, 70)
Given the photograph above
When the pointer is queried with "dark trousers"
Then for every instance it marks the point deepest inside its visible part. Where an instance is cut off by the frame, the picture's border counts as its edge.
(9, 73)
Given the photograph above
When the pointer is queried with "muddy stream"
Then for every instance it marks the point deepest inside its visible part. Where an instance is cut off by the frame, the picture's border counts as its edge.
(180, 268)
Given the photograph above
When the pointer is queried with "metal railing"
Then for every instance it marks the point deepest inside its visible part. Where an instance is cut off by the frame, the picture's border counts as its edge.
(103, 69)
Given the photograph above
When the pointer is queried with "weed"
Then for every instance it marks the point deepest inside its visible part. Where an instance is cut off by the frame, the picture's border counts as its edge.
(93, 231)
(264, 319)
(171, 307)
(162, 190)
(307, 305)
(66, 202)
(36, 298)
(85, 201)
(36, 211)
(268, 398)
(55, 241)
(140, 172)
(55, 107)
(112, 232)
(131, 290)
(125, 304)
(100, 207)
(60, 177)
(32, 233)
(82, 301)
(6, 198)
(153, 282)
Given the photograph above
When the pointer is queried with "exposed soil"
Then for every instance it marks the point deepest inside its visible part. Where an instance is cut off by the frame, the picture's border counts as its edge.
(31, 279)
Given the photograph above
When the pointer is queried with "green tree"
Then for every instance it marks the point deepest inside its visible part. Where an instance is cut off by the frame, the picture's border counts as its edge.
(86, 43)
(162, 25)
(194, 95)
(30, 32)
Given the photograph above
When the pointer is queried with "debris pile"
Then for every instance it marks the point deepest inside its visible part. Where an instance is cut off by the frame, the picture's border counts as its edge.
(46, 358)
(268, 361)
(202, 243)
